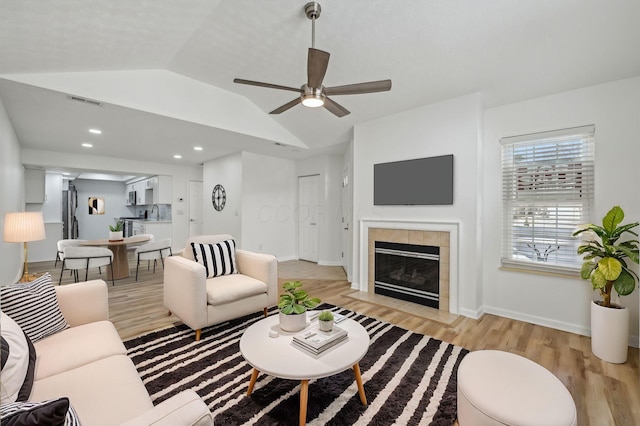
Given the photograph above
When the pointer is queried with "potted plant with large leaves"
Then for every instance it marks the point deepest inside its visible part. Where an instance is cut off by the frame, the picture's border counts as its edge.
(293, 306)
(607, 249)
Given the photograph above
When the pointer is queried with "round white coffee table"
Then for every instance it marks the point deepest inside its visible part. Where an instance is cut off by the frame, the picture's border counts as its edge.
(277, 356)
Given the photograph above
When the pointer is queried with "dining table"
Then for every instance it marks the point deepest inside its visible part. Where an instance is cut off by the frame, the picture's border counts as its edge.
(119, 249)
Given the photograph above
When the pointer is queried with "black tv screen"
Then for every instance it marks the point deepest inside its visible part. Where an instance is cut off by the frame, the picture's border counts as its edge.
(421, 182)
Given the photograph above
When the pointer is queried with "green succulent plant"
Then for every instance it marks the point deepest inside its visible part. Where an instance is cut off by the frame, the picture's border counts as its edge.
(117, 227)
(605, 260)
(295, 300)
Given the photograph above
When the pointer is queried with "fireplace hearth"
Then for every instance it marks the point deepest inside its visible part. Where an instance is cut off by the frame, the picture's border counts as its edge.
(408, 272)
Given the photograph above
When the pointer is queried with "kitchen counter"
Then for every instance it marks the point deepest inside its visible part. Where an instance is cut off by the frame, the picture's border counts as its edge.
(150, 220)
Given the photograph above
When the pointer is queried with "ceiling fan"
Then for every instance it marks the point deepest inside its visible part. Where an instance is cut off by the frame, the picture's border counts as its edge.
(313, 93)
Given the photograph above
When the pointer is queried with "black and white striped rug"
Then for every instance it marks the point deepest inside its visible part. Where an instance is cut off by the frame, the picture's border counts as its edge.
(409, 378)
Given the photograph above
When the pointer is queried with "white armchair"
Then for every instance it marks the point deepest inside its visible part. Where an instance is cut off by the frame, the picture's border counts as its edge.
(199, 301)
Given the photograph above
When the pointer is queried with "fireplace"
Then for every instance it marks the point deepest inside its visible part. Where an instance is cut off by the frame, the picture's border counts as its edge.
(443, 235)
(408, 272)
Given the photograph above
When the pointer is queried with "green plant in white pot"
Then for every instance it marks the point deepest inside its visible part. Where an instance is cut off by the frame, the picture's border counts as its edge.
(293, 306)
(605, 265)
(115, 231)
(325, 321)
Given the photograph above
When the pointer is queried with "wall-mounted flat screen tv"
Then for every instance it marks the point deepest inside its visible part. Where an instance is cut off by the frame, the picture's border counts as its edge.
(420, 182)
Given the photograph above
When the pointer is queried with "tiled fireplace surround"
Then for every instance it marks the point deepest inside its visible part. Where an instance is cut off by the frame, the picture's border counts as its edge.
(438, 234)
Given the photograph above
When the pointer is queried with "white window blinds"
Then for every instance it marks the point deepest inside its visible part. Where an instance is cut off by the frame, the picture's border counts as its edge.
(547, 188)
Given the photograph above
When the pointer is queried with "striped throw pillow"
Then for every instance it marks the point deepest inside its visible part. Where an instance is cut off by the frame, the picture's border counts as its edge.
(218, 259)
(34, 306)
(51, 412)
(18, 362)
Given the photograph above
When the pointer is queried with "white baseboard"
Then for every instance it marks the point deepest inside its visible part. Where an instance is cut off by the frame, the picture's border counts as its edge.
(329, 263)
(286, 258)
(558, 325)
(534, 319)
(472, 314)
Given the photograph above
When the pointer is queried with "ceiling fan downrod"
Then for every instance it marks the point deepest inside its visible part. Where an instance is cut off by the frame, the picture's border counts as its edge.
(312, 10)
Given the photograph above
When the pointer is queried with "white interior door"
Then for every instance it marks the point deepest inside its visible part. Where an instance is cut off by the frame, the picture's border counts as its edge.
(195, 208)
(308, 207)
(345, 232)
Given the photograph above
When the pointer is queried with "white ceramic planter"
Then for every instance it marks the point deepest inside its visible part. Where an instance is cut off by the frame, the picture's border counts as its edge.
(294, 322)
(113, 236)
(610, 333)
(325, 325)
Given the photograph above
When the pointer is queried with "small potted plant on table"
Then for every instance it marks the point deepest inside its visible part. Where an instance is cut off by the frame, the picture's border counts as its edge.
(325, 321)
(606, 267)
(293, 306)
(115, 231)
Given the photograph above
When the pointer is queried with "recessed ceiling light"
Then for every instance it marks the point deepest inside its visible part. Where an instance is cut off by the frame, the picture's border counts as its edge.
(177, 156)
(197, 148)
(95, 131)
(66, 173)
(87, 145)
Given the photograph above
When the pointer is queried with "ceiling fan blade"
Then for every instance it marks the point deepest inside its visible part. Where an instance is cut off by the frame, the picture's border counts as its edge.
(317, 62)
(267, 85)
(335, 108)
(286, 106)
(357, 88)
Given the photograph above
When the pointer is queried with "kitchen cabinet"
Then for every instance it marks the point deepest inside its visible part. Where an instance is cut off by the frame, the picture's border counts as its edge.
(154, 190)
(162, 190)
(159, 230)
(140, 188)
(34, 183)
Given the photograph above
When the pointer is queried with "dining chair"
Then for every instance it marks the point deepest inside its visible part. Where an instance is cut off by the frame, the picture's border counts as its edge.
(76, 258)
(153, 251)
(66, 243)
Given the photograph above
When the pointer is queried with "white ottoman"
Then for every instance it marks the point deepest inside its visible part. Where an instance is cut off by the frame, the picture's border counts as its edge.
(501, 388)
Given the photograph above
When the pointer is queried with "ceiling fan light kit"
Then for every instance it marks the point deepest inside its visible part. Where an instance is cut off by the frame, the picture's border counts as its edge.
(313, 94)
(312, 98)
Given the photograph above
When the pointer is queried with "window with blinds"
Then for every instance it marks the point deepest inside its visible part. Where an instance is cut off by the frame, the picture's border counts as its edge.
(547, 190)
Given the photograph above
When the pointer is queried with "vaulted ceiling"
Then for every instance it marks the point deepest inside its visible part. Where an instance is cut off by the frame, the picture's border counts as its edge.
(182, 57)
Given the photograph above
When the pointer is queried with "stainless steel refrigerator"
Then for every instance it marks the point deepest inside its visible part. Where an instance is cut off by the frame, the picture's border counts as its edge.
(69, 207)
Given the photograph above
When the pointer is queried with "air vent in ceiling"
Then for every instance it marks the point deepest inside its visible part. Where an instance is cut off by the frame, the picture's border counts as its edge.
(85, 100)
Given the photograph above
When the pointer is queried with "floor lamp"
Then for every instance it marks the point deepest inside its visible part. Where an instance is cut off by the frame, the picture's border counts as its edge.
(22, 227)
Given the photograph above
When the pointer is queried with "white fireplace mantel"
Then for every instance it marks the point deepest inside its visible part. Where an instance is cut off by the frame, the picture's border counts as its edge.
(412, 225)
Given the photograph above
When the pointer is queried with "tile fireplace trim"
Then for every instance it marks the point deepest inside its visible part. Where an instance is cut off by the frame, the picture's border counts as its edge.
(412, 225)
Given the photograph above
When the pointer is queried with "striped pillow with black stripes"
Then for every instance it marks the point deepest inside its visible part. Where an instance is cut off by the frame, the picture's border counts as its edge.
(34, 306)
(218, 259)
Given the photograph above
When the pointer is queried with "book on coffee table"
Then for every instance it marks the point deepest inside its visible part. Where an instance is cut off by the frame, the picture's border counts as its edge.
(316, 341)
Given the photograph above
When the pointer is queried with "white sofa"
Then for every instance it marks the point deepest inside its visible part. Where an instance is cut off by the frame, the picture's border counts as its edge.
(88, 363)
(199, 301)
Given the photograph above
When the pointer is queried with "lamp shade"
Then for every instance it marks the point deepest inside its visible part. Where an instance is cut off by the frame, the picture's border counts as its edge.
(21, 227)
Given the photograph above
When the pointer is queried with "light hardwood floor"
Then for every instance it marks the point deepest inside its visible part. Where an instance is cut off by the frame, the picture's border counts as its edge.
(605, 394)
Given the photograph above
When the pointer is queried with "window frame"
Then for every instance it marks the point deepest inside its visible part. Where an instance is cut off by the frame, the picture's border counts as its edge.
(538, 170)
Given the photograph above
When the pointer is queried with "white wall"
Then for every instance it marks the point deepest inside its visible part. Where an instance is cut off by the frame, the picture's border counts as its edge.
(226, 171)
(269, 205)
(262, 202)
(614, 108)
(329, 168)
(450, 127)
(94, 227)
(180, 179)
(11, 194)
(47, 249)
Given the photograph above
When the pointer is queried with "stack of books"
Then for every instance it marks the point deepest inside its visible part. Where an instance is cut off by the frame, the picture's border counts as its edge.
(316, 342)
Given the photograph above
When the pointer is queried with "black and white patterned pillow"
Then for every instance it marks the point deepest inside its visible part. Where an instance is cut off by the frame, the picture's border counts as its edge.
(34, 306)
(18, 360)
(51, 412)
(218, 259)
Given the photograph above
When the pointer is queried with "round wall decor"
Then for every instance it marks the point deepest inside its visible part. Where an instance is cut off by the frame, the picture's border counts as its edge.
(218, 197)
